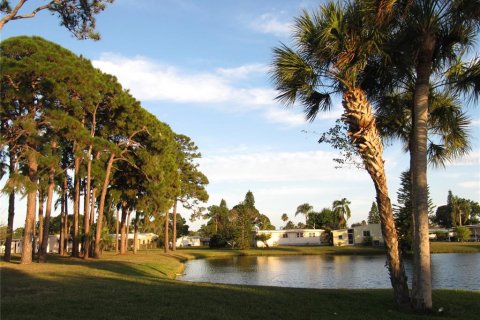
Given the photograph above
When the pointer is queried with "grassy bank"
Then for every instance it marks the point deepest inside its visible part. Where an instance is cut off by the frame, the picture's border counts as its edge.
(454, 247)
(140, 287)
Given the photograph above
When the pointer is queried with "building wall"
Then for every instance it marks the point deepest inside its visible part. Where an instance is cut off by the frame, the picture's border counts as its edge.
(340, 237)
(295, 237)
(374, 231)
(188, 241)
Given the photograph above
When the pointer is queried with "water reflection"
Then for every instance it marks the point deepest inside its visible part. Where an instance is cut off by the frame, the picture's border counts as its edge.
(448, 271)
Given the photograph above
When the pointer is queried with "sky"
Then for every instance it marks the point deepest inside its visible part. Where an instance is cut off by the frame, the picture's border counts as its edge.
(202, 67)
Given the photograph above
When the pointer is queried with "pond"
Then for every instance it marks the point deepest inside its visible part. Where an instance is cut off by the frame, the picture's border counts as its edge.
(453, 271)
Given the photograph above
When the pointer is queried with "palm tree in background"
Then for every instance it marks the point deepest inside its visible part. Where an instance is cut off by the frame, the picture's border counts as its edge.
(331, 49)
(342, 211)
(304, 209)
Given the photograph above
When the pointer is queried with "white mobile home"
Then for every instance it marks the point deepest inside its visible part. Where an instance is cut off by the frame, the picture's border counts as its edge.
(369, 234)
(293, 237)
(189, 241)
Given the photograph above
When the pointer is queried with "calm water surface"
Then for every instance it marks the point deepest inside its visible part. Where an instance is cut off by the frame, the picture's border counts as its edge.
(456, 270)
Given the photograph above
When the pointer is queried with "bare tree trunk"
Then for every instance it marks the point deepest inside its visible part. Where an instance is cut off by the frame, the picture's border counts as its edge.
(101, 205)
(364, 134)
(116, 232)
(65, 221)
(86, 206)
(42, 256)
(11, 207)
(165, 247)
(174, 226)
(128, 228)
(41, 200)
(135, 234)
(422, 298)
(28, 235)
(123, 228)
(92, 207)
(76, 206)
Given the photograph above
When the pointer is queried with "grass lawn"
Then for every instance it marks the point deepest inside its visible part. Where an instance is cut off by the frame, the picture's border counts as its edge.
(454, 247)
(141, 287)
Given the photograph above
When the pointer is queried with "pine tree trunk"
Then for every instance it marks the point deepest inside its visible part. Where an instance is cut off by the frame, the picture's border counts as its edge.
(123, 228)
(116, 232)
(165, 235)
(135, 234)
(41, 201)
(66, 229)
(174, 226)
(28, 235)
(127, 228)
(101, 205)
(11, 208)
(42, 256)
(422, 293)
(364, 134)
(86, 206)
(76, 207)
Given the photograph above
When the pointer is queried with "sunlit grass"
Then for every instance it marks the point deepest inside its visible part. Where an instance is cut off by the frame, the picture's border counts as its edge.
(454, 247)
(141, 287)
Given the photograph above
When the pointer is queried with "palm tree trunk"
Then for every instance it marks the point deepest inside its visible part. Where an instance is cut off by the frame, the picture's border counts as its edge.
(364, 134)
(422, 293)
(174, 226)
(11, 207)
(101, 205)
(26, 257)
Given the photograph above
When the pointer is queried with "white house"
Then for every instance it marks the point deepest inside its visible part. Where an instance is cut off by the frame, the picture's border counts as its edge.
(144, 240)
(189, 241)
(292, 237)
(369, 234)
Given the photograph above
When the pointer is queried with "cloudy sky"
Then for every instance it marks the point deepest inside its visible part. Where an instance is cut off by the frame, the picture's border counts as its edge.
(202, 67)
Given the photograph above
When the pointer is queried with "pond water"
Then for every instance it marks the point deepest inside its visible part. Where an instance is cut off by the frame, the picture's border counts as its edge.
(454, 271)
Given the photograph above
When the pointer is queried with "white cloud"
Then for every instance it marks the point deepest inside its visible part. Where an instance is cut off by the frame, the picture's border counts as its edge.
(243, 72)
(475, 184)
(473, 158)
(278, 167)
(149, 80)
(270, 23)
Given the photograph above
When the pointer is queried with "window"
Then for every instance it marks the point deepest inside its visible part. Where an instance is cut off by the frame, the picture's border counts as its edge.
(340, 237)
(311, 234)
(299, 234)
(366, 233)
(285, 235)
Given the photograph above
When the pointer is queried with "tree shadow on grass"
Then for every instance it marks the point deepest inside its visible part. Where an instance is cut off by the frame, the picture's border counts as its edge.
(27, 294)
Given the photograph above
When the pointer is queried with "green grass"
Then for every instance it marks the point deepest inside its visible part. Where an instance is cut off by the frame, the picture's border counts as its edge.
(141, 287)
(454, 247)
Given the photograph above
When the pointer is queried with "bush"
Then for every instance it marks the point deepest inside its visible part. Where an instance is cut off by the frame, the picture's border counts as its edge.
(217, 241)
(462, 233)
(367, 241)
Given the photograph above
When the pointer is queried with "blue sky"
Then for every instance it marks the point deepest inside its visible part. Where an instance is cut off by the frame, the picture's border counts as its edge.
(202, 67)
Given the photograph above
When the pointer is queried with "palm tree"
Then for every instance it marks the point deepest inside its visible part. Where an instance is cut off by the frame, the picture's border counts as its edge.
(304, 209)
(342, 211)
(430, 40)
(331, 49)
(284, 217)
